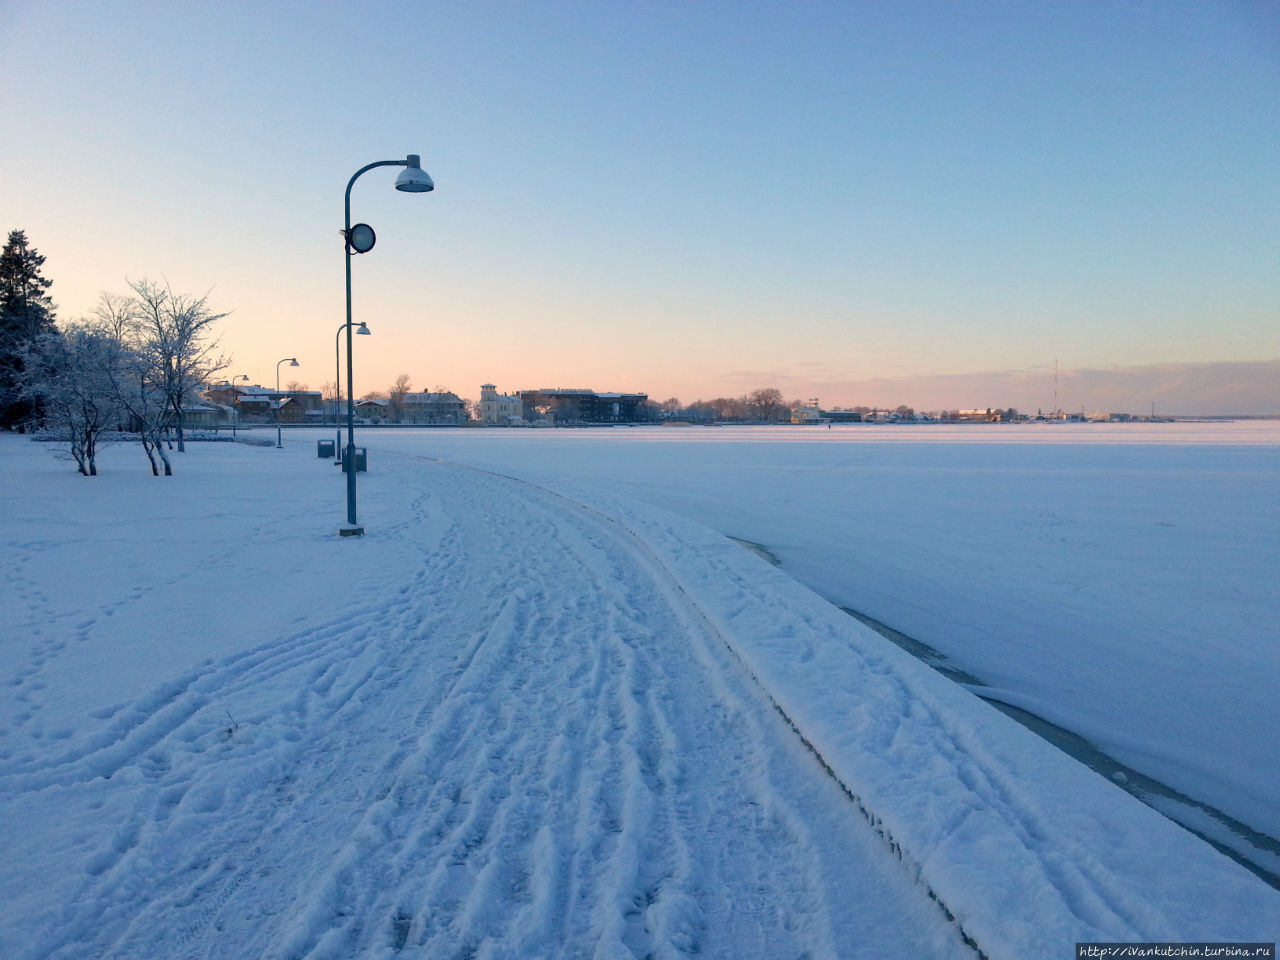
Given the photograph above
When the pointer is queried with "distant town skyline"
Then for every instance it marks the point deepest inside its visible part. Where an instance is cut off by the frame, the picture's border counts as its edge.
(1209, 389)
(879, 204)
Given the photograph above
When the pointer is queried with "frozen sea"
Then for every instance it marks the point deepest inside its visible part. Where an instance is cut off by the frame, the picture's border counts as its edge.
(595, 693)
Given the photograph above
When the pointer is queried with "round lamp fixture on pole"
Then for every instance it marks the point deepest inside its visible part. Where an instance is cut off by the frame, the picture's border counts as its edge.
(413, 179)
(361, 238)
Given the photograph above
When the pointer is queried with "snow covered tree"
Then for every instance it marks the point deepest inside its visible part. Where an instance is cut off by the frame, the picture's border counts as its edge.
(73, 376)
(175, 331)
(26, 316)
(142, 399)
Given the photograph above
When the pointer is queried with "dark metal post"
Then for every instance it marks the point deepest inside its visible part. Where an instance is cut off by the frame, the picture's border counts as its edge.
(413, 180)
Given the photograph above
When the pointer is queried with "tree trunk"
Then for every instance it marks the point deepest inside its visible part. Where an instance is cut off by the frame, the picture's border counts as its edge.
(168, 467)
(146, 446)
(91, 453)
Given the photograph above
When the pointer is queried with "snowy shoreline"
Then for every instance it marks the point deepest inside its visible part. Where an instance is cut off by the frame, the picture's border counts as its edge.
(1255, 851)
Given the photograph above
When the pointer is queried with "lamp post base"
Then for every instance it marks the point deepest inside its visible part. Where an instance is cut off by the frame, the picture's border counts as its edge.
(350, 530)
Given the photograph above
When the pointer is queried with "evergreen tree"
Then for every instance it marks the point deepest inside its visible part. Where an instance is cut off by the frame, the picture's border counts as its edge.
(26, 315)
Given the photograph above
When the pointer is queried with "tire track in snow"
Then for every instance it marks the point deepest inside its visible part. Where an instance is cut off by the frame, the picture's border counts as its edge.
(596, 537)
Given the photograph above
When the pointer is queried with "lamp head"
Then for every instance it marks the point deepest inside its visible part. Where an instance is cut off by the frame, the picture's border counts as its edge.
(413, 179)
(294, 362)
(363, 329)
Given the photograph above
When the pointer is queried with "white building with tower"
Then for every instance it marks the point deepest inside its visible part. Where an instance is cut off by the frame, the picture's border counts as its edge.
(500, 409)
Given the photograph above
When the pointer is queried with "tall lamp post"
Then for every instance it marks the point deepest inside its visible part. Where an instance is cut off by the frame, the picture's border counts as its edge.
(360, 239)
(363, 330)
(293, 362)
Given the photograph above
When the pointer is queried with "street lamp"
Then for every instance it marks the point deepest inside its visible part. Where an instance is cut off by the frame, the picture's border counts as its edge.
(293, 362)
(337, 390)
(235, 410)
(360, 239)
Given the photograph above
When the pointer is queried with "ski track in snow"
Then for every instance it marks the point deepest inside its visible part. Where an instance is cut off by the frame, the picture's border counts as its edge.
(539, 747)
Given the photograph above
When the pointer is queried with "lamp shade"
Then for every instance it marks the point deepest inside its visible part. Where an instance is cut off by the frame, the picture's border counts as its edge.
(413, 179)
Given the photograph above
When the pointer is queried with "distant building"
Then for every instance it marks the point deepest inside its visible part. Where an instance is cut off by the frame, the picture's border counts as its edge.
(812, 413)
(499, 409)
(582, 406)
(253, 401)
(809, 413)
(426, 407)
(373, 409)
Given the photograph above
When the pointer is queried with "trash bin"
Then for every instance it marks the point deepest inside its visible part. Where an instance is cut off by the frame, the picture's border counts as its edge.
(324, 448)
(359, 455)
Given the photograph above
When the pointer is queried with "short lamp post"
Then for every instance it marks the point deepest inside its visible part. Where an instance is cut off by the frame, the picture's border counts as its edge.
(363, 330)
(360, 239)
(293, 362)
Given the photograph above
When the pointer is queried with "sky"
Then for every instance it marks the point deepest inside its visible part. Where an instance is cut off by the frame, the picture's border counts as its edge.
(871, 203)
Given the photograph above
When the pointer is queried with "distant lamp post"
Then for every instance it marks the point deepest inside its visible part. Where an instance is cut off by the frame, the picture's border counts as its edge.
(293, 362)
(235, 402)
(360, 239)
(337, 389)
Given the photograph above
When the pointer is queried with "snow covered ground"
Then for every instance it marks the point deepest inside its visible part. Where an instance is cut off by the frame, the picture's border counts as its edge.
(1121, 581)
(530, 714)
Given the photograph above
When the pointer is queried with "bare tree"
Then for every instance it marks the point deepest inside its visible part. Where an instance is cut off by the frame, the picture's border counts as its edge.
(731, 408)
(700, 411)
(117, 316)
(766, 403)
(175, 330)
(396, 395)
(293, 386)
